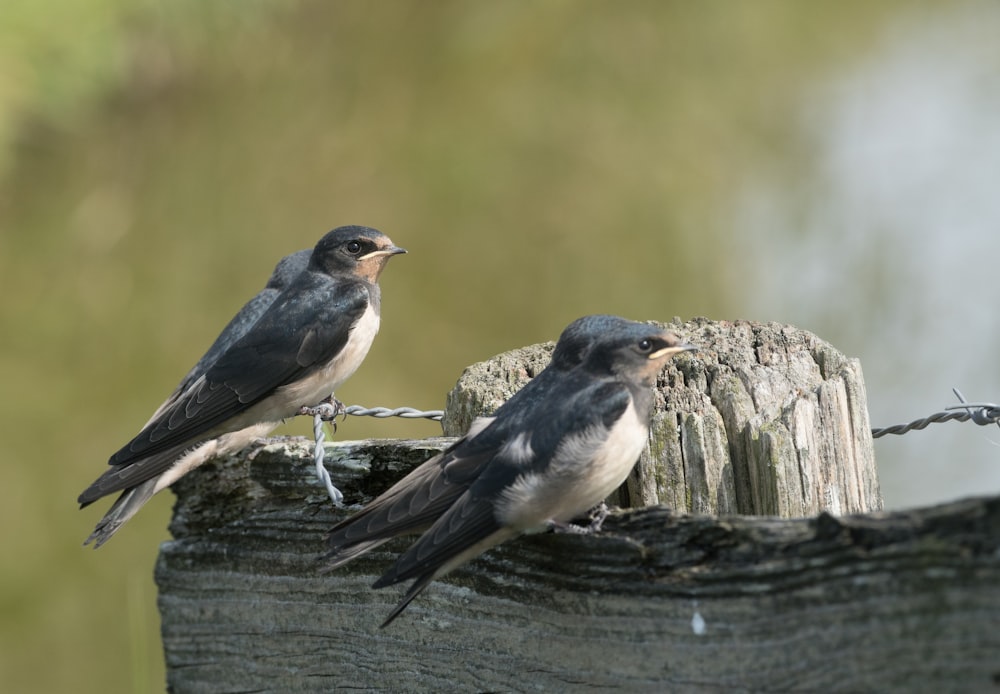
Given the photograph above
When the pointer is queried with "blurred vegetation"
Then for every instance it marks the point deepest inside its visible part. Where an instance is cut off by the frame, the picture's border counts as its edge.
(540, 161)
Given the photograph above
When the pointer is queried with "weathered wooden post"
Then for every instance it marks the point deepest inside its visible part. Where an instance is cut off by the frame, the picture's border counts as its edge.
(763, 420)
(766, 420)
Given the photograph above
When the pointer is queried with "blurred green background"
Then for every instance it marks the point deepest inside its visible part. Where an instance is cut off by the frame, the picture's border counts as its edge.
(831, 165)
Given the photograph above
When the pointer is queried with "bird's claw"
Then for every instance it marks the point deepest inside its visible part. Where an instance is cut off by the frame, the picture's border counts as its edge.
(569, 528)
(328, 410)
(597, 516)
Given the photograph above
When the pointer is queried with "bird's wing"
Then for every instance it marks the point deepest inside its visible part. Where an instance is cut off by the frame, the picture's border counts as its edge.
(466, 530)
(287, 269)
(415, 502)
(472, 525)
(301, 331)
(463, 528)
(240, 324)
(573, 406)
(469, 521)
(419, 499)
(527, 454)
(125, 477)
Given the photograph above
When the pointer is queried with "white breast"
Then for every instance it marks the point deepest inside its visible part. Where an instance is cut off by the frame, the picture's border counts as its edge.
(584, 470)
(327, 379)
(310, 391)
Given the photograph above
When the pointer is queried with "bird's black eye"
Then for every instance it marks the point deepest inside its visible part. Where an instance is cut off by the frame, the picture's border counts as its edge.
(645, 345)
(353, 247)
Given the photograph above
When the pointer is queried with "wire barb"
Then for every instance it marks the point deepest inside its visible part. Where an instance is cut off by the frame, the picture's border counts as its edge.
(982, 413)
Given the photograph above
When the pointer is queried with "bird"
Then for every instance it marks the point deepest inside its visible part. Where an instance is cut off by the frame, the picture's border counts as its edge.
(312, 337)
(543, 459)
(419, 499)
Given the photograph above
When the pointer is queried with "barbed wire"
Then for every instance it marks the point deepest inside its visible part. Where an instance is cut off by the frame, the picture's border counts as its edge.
(327, 412)
(404, 412)
(319, 419)
(982, 413)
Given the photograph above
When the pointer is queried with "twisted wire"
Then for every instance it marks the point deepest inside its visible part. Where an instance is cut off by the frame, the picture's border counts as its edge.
(404, 412)
(982, 413)
(328, 412)
(336, 496)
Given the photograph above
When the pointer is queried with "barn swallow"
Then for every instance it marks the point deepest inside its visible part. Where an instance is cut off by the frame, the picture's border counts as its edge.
(541, 462)
(311, 338)
(416, 501)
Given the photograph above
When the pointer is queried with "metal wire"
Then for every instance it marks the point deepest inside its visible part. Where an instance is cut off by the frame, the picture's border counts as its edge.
(336, 496)
(405, 412)
(329, 411)
(982, 413)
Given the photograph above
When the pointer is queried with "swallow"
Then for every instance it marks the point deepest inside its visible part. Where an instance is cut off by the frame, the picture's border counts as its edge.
(542, 460)
(312, 337)
(416, 501)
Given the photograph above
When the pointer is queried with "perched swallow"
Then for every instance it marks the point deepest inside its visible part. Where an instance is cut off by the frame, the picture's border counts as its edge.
(311, 338)
(416, 501)
(543, 459)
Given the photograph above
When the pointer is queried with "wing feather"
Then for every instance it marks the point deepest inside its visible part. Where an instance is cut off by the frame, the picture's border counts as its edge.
(412, 504)
(462, 528)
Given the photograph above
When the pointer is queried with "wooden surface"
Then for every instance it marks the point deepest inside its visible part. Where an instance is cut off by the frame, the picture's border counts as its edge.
(656, 602)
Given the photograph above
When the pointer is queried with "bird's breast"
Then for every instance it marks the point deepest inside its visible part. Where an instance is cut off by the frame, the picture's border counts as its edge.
(323, 381)
(585, 469)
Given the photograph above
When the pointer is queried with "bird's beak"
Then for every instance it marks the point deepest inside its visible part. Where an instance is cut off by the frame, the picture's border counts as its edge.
(391, 250)
(671, 351)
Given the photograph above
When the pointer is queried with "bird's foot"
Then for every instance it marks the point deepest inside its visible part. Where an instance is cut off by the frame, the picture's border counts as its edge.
(328, 410)
(569, 528)
(597, 516)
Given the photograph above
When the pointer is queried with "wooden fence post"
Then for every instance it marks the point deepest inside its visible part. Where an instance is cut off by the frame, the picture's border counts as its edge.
(658, 601)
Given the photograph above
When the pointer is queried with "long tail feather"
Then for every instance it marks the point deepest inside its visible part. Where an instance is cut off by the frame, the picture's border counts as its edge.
(125, 506)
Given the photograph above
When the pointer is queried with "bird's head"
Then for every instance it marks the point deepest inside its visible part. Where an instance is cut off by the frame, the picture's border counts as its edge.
(360, 251)
(579, 336)
(633, 351)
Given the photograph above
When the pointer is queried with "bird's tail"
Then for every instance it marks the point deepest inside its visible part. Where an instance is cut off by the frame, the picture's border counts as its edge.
(341, 556)
(415, 589)
(125, 506)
